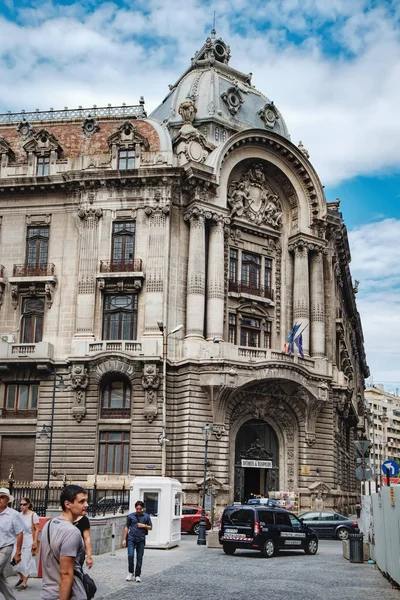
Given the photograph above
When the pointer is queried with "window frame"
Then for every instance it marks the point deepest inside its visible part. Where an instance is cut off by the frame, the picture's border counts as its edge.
(123, 242)
(109, 324)
(32, 321)
(111, 411)
(37, 245)
(107, 446)
(30, 406)
(43, 165)
(127, 162)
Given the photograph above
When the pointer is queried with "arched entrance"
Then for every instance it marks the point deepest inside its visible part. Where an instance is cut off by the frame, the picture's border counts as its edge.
(256, 460)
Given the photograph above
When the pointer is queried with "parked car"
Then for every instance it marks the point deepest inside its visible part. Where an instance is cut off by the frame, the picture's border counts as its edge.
(330, 524)
(265, 528)
(190, 522)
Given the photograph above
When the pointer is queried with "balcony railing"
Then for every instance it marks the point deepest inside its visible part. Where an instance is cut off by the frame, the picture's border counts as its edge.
(255, 290)
(131, 266)
(135, 111)
(44, 270)
(115, 346)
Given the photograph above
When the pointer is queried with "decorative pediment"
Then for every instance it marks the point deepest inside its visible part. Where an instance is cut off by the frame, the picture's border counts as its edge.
(127, 136)
(252, 197)
(5, 147)
(43, 142)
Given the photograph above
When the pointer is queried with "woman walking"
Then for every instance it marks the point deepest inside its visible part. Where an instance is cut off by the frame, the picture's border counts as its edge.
(29, 544)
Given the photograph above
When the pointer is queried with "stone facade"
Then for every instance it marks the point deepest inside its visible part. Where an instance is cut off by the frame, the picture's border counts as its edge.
(116, 227)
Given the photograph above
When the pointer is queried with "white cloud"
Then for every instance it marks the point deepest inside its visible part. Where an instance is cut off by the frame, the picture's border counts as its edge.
(375, 262)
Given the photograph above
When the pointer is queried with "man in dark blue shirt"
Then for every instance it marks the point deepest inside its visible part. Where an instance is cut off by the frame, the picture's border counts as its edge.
(138, 524)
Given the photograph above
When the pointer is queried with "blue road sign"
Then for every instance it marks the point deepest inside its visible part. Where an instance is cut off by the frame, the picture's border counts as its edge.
(392, 466)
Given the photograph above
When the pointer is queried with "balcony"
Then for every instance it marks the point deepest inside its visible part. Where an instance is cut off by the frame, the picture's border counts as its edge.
(43, 270)
(33, 280)
(244, 289)
(126, 275)
(145, 348)
(10, 353)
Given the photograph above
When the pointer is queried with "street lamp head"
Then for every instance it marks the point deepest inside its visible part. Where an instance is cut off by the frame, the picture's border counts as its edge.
(176, 329)
(207, 430)
(160, 326)
(44, 434)
(61, 385)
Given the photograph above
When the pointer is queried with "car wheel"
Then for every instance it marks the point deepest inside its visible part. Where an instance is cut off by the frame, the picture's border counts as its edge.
(312, 546)
(268, 549)
(342, 534)
(228, 549)
(195, 529)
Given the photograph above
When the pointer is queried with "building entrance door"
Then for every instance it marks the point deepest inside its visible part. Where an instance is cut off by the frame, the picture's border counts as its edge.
(256, 456)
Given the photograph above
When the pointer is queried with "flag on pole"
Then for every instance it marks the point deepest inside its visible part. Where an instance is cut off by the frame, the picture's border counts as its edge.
(299, 343)
(288, 348)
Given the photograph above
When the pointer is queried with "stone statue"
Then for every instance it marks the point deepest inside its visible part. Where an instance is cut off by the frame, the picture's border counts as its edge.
(188, 111)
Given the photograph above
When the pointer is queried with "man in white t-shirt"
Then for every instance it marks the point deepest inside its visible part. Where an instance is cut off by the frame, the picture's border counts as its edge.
(66, 551)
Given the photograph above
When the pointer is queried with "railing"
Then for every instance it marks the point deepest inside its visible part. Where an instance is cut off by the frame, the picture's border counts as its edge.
(22, 349)
(135, 111)
(115, 346)
(131, 266)
(255, 290)
(101, 500)
(44, 270)
(255, 353)
(114, 413)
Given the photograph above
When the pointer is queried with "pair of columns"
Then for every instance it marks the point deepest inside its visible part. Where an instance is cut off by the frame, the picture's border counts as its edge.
(200, 296)
(308, 298)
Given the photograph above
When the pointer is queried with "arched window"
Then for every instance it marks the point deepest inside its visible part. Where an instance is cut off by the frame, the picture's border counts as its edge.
(116, 399)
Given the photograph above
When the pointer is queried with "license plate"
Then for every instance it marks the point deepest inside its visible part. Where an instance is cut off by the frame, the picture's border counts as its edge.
(231, 530)
(235, 536)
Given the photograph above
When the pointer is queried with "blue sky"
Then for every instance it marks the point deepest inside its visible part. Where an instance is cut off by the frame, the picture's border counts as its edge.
(332, 67)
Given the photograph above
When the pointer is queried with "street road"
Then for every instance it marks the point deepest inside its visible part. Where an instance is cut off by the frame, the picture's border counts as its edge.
(191, 572)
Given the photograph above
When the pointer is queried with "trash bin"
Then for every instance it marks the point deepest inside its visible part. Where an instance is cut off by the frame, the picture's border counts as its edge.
(356, 547)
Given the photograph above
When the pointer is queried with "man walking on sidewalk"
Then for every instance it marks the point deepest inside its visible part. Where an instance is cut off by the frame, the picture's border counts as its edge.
(138, 524)
(11, 531)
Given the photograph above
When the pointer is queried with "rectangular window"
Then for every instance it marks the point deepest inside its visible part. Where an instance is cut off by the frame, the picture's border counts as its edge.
(120, 317)
(32, 320)
(232, 328)
(126, 159)
(233, 265)
(267, 334)
(150, 500)
(114, 452)
(22, 397)
(37, 246)
(251, 271)
(268, 277)
(43, 166)
(250, 332)
(123, 243)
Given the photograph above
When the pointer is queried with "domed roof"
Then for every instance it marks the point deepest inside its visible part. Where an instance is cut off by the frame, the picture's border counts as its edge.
(221, 94)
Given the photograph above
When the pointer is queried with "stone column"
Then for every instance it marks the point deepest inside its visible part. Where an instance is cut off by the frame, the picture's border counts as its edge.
(88, 221)
(301, 294)
(155, 271)
(317, 312)
(215, 283)
(195, 301)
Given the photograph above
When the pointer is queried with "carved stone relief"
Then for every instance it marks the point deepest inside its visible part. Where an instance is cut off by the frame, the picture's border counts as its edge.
(79, 382)
(150, 382)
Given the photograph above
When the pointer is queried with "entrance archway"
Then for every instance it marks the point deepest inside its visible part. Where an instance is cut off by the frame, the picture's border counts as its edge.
(256, 445)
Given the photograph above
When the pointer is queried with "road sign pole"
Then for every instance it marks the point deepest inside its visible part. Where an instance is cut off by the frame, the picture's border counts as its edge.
(387, 476)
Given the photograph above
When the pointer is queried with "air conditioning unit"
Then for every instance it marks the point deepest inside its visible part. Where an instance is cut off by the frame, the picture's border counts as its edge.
(8, 338)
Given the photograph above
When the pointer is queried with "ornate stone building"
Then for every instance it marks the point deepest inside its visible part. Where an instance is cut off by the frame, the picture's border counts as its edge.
(117, 227)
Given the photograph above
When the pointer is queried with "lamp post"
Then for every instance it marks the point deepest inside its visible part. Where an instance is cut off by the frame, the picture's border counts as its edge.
(44, 435)
(201, 538)
(163, 440)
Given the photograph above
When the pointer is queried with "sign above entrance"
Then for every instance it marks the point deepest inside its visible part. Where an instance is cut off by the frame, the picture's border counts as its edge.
(257, 464)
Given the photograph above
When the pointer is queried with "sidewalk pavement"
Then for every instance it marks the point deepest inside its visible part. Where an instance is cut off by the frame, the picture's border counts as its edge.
(109, 572)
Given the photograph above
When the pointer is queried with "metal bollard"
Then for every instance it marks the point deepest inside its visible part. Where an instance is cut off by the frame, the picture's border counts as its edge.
(113, 539)
(356, 547)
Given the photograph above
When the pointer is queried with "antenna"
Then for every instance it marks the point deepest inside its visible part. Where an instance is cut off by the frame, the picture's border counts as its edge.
(213, 32)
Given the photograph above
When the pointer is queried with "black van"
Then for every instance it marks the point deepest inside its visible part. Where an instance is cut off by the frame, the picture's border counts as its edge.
(264, 528)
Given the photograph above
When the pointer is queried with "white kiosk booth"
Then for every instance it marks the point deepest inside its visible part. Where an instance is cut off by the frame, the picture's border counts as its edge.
(162, 497)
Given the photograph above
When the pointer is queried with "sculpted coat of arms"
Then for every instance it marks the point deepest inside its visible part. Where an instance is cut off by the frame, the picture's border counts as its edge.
(253, 198)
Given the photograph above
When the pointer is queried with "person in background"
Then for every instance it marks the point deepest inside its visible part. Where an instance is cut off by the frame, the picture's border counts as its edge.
(30, 542)
(358, 510)
(11, 532)
(138, 524)
(83, 524)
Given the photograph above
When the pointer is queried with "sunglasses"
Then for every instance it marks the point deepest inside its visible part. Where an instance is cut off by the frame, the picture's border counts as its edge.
(23, 503)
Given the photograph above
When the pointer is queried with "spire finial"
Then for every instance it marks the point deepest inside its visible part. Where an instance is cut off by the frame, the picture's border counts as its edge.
(213, 32)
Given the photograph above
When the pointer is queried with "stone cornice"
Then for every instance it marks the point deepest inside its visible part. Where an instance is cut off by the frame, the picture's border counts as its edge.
(302, 240)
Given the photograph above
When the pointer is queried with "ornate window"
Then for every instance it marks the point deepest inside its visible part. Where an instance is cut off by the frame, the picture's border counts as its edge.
(126, 159)
(233, 265)
(32, 320)
(120, 317)
(232, 330)
(255, 273)
(251, 270)
(123, 243)
(116, 400)
(43, 166)
(21, 398)
(267, 334)
(114, 452)
(250, 331)
(37, 246)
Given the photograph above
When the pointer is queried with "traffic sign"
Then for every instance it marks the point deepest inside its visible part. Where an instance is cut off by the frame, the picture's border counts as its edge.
(364, 473)
(392, 466)
(362, 446)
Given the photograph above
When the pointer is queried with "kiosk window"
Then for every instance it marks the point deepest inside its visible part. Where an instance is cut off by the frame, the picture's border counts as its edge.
(178, 504)
(150, 500)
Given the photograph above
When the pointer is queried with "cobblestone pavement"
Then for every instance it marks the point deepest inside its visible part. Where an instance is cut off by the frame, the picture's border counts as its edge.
(191, 572)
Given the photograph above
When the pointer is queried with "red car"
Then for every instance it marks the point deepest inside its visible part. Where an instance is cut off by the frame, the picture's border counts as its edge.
(190, 521)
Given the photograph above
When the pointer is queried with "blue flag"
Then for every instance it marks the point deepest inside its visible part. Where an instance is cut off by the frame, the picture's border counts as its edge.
(289, 343)
(299, 343)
